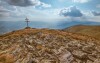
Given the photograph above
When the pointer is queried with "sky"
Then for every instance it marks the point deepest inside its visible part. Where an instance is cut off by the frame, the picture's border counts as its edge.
(50, 10)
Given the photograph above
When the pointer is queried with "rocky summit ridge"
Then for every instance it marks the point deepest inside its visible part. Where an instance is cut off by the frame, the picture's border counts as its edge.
(48, 46)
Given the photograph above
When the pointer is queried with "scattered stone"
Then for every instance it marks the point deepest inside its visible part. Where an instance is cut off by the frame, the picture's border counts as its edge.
(47, 46)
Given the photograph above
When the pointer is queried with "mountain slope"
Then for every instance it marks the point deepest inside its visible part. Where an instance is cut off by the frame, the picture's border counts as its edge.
(90, 30)
(48, 46)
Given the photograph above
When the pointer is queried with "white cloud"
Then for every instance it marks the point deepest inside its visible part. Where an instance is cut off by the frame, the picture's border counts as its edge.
(94, 19)
(45, 5)
(71, 11)
(3, 12)
(75, 1)
(80, 1)
(26, 3)
(87, 16)
(14, 12)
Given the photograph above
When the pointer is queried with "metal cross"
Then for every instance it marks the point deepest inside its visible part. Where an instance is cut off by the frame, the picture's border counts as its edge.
(27, 20)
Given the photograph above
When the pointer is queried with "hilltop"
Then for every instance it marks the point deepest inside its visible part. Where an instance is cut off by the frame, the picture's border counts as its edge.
(90, 30)
(48, 46)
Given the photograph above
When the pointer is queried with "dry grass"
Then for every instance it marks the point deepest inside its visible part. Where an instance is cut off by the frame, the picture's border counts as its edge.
(29, 43)
(6, 58)
(40, 32)
(93, 31)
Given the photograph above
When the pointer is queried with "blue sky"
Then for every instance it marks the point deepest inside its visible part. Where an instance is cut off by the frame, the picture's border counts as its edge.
(50, 10)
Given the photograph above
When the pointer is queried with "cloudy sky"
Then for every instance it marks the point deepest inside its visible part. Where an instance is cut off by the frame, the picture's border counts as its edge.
(50, 10)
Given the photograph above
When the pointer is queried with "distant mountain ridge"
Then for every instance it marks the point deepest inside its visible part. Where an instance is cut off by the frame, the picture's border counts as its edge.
(8, 26)
(90, 30)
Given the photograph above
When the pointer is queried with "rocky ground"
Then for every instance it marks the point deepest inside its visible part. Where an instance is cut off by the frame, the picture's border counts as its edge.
(48, 46)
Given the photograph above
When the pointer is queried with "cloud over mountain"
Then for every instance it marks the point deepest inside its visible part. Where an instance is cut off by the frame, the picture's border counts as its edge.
(72, 12)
